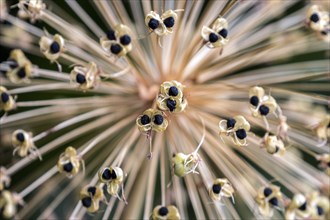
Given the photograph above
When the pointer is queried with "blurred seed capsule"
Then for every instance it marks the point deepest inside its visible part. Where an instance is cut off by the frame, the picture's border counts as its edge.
(23, 143)
(7, 102)
(165, 213)
(8, 204)
(4, 179)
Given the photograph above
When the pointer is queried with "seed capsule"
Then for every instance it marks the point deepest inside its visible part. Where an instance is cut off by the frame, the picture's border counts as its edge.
(69, 162)
(268, 197)
(152, 120)
(86, 77)
(171, 97)
(118, 41)
(18, 67)
(8, 204)
(274, 145)
(184, 164)
(90, 197)
(317, 18)
(319, 205)
(165, 213)
(23, 144)
(298, 208)
(52, 48)
(113, 177)
(161, 25)
(4, 179)
(30, 9)
(7, 102)
(322, 129)
(216, 36)
(221, 187)
(261, 104)
(236, 128)
(324, 162)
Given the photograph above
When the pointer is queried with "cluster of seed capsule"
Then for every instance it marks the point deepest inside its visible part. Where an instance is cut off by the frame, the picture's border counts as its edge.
(318, 20)
(311, 206)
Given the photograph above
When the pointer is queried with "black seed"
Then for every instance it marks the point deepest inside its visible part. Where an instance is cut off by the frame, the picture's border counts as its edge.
(158, 120)
(216, 188)
(116, 48)
(267, 191)
(153, 24)
(4, 97)
(113, 175)
(87, 202)
(329, 125)
(92, 190)
(169, 22)
(145, 120)
(68, 167)
(264, 110)
(328, 164)
(274, 201)
(163, 211)
(314, 18)
(303, 207)
(223, 33)
(173, 91)
(276, 149)
(125, 40)
(54, 47)
(320, 210)
(12, 63)
(170, 104)
(324, 33)
(21, 73)
(20, 137)
(106, 174)
(213, 37)
(111, 34)
(80, 78)
(231, 123)
(241, 134)
(254, 100)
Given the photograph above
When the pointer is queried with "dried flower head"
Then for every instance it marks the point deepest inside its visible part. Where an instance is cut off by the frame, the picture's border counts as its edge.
(116, 96)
